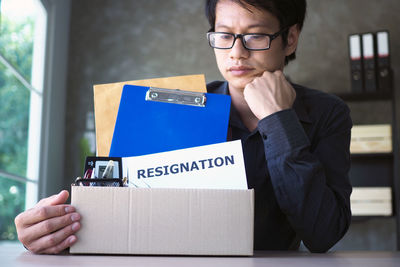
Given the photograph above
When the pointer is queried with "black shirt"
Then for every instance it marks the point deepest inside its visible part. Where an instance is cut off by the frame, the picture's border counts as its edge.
(297, 160)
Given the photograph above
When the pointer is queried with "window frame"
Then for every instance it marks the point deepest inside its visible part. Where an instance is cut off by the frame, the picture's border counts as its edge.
(51, 167)
(45, 159)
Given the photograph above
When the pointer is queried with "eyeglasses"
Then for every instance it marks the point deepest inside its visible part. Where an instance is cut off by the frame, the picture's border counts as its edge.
(251, 41)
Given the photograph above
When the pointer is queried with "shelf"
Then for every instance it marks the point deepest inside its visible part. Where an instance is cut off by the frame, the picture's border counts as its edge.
(388, 155)
(368, 96)
(371, 172)
(355, 219)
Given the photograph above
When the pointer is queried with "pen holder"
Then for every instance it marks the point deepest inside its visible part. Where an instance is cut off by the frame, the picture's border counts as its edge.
(111, 182)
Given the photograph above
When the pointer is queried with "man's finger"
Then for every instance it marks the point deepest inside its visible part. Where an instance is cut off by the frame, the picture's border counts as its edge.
(62, 246)
(57, 241)
(38, 214)
(49, 226)
(60, 198)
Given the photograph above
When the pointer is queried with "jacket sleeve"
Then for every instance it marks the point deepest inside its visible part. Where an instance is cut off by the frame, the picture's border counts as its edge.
(310, 180)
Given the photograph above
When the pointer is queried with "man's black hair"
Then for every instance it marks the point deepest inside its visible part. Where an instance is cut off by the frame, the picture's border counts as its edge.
(288, 12)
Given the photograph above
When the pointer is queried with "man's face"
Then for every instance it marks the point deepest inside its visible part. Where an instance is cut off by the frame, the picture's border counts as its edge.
(238, 65)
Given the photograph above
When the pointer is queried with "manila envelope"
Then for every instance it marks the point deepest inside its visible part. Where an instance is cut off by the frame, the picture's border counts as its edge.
(108, 96)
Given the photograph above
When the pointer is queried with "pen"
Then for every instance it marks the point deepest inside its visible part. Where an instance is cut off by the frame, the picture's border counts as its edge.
(88, 174)
(109, 170)
(93, 175)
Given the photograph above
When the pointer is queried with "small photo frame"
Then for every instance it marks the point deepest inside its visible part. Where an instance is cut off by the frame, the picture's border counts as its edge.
(98, 165)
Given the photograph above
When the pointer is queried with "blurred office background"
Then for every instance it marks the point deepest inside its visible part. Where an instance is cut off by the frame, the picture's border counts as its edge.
(89, 42)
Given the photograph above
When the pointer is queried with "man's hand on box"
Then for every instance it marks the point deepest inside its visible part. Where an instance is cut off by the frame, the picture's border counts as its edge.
(49, 227)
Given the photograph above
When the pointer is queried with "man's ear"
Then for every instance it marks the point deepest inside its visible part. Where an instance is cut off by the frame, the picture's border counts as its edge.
(292, 39)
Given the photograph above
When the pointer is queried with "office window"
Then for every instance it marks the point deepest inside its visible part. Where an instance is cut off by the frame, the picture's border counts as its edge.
(22, 47)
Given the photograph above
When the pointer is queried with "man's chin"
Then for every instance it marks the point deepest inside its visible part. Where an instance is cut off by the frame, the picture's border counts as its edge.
(240, 82)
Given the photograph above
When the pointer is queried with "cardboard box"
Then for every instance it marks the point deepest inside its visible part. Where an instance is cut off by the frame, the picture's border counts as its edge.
(126, 220)
(371, 201)
(371, 138)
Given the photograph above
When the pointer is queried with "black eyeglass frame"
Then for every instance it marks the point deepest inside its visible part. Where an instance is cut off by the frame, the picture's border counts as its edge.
(240, 36)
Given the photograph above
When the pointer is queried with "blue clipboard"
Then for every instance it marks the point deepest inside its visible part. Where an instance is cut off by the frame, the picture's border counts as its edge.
(176, 120)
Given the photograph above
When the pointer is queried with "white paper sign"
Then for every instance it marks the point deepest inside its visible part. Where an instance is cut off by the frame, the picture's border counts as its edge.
(218, 166)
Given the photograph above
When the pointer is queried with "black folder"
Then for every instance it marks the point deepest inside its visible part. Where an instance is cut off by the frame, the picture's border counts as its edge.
(356, 63)
(369, 52)
(383, 62)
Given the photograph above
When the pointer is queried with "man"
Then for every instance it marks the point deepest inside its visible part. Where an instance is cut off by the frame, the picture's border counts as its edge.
(295, 140)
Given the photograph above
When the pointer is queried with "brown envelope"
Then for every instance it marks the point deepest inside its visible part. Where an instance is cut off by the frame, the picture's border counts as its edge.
(108, 96)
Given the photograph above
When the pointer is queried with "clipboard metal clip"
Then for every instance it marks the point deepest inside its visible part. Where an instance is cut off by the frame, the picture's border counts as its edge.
(176, 96)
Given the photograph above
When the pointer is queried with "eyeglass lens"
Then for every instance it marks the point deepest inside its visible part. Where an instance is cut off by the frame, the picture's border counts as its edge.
(251, 41)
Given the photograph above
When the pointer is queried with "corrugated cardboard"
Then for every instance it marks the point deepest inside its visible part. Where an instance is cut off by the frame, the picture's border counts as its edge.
(126, 220)
(108, 96)
(371, 138)
(371, 201)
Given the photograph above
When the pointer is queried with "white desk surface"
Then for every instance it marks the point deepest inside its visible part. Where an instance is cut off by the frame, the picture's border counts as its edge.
(14, 254)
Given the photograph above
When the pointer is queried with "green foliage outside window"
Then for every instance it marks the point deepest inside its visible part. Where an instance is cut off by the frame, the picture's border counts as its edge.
(16, 45)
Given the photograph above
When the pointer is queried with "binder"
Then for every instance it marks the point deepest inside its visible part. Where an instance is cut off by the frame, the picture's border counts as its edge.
(368, 44)
(356, 63)
(152, 120)
(383, 62)
(107, 98)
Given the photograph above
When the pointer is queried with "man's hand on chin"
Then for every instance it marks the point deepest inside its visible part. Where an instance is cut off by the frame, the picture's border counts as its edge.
(269, 94)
